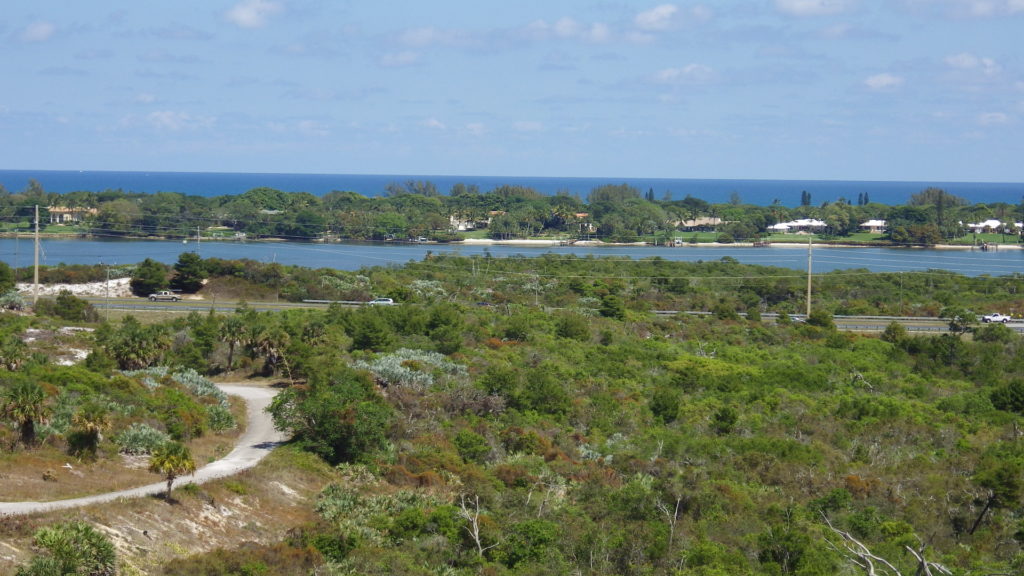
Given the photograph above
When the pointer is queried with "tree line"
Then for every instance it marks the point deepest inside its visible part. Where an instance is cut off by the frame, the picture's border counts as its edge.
(416, 209)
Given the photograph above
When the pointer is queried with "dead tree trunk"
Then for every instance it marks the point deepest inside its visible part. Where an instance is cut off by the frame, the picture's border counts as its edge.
(472, 518)
(988, 504)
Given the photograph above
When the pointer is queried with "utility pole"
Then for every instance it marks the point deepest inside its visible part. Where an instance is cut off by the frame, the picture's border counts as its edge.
(810, 239)
(35, 273)
(106, 308)
(901, 294)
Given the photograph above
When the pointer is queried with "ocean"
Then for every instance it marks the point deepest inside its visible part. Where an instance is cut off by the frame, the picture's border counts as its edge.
(757, 192)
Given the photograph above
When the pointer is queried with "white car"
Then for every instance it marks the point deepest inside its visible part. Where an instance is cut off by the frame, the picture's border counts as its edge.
(381, 302)
(996, 317)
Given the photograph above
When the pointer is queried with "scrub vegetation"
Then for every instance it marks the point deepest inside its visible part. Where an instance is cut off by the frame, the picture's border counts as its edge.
(533, 416)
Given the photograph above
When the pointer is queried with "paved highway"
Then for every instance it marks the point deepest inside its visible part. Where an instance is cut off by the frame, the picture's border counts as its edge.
(847, 323)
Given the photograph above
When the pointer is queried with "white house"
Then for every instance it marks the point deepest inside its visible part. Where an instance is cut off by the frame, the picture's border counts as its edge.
(874, 226)
(801, 225)
(702, 223)
(69, 215)
(989, 225)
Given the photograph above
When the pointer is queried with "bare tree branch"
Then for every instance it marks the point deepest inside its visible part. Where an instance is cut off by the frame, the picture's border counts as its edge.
(859, 554)
(472, 518)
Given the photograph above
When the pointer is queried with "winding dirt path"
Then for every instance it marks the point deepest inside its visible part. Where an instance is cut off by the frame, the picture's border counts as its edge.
(253, 445)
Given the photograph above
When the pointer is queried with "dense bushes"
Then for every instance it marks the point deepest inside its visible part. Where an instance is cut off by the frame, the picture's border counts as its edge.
(340, 420)
(596, 438)
(67, 306)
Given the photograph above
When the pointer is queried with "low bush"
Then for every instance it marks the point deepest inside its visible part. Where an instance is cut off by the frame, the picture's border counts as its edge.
(139, 439)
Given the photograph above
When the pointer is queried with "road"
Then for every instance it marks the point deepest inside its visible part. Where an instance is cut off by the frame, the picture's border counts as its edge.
(869, 323)
(844, 323)
(253, 445)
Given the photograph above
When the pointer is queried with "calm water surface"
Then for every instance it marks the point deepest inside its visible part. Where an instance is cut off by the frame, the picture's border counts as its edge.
(18, 253)
(760, 192)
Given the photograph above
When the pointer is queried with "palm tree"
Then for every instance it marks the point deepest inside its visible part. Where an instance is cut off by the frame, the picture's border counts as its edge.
(13, 352)
(25, 403)
(271, 342)
(91, 420)
(171, 459)
(233, 330)
(73, 548)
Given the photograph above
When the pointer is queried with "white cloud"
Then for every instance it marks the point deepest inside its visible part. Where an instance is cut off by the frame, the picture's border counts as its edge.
(569, 29)
(312, 128)
(599, 33)
(252, 13)
(528, 126)
(883, 81)
(422, 36)
(145, 98)
(981, 8)
(988, 8)
(434, 123)
(400, 59)
(812, 7)
(177, 121)
(975, 8)
(566, 28)
(837, 31)
(304, 128)
(38, 32)
(428, 36)
(993, 118)
(689, 74)
(968, 61)
(702, 13)
(476, 128)
(657, 18)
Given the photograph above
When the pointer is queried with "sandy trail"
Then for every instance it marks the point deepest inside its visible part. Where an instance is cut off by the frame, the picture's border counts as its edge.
(253, 445)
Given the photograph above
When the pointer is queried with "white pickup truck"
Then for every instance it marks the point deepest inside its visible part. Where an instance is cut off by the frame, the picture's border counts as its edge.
(995, 317)
(164, 296)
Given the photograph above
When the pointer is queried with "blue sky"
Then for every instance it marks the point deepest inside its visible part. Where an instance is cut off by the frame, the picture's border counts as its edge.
(924, 90)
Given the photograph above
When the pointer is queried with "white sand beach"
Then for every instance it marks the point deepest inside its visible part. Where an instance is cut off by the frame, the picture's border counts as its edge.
(800, 245)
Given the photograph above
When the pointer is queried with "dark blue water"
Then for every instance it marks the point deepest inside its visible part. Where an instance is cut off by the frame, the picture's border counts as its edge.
(18, 253)
(758, 192)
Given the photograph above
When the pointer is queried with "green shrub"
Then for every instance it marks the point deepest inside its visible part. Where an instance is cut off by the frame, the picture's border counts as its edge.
(528, 541)
(724, 419)
(472, 446)
(72, 548)
(12, 300)
(236, 487)
(573, 326)
(139, 438)
(219, 418)
(665, 404)
(67, 306)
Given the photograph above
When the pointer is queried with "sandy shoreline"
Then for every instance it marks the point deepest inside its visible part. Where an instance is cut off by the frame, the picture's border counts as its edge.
(800, 245)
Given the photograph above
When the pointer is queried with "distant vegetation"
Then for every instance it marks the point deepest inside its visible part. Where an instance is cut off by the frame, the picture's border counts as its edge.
(559, 280)
(416, 209)
(530, 416)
